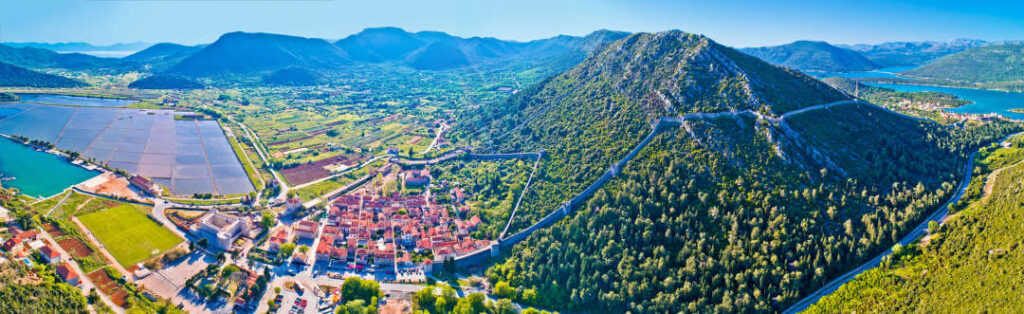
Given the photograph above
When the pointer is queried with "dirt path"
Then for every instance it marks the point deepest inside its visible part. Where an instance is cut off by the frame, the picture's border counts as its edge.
(48, 213)
(85, 284)
(990, 181)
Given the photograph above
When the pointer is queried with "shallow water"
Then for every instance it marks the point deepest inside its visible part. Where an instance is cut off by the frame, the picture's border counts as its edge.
(38, 174)
(984, 101)
(185, 156)
(53, 99)
(879, 73)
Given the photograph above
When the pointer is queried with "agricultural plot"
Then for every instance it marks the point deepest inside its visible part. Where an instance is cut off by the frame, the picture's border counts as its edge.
(309, 172)
(108, 286)
(129, 235)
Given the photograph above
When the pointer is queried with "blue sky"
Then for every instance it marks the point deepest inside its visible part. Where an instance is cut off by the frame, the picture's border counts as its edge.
(731, 22)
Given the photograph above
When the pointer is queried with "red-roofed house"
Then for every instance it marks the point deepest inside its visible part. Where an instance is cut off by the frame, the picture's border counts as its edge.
(416, 177)
(50, 254)
(68, 274)
(474, 221)
(26, 236)
(459, 195)
(339, 254)
(323, 249)
(145, 184)
(12, 244)
(279, 238)
(306, 229)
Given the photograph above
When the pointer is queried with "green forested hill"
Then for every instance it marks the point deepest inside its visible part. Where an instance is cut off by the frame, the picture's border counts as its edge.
(972, 264)
(36, 58)
(731, 213)
(245, 53)
(994, 66)
(813, 56)
(11, 75)
(596, 112)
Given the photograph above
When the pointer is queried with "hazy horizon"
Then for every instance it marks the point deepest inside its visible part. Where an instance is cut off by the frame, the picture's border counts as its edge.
(734, 22)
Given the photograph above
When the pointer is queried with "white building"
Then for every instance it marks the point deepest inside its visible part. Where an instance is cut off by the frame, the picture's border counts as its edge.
(221, 230)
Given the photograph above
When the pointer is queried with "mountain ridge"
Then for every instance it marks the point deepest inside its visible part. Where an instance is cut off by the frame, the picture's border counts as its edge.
(992, 66)
(727, 195)
(11, 75)
(813, 56)
(247, 53)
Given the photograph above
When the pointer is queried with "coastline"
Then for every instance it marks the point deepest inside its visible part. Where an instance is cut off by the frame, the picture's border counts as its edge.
(90, 167)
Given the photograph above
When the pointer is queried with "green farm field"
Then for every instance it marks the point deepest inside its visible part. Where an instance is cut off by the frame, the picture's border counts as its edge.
(128, 234)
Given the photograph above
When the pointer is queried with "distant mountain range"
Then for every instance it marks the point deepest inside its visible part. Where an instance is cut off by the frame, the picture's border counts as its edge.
(248, 53)
(822, 56)
(113, 50)
(288, 60)
(894, 54)
(282, 59)
(438, 51)
(813, 56)
(161, 56)
(38, 58)
(11, 75)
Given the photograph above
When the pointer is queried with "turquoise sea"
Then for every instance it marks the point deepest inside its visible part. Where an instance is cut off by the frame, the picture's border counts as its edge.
(985, 101)
(38, 174)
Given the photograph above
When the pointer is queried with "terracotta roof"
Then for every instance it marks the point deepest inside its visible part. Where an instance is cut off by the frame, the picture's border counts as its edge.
(66, 272)
(49, 252)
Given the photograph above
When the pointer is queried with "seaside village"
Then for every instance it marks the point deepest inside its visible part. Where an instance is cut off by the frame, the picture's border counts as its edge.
(368, 232)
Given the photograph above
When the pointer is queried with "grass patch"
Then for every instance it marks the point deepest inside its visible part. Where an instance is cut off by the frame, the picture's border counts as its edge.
(130, 236)
(254, 176)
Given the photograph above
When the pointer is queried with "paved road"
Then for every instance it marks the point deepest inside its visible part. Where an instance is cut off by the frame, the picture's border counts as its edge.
(938, 216)
(255, 140)
(440, 133)
(915, 233)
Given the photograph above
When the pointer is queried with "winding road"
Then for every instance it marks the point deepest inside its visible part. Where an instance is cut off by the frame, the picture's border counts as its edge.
(918, 231)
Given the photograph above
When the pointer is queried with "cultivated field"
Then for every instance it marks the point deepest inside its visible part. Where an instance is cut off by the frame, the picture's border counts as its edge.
(128, 234)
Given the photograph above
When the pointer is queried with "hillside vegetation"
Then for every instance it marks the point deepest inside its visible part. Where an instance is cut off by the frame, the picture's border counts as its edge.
(994, 66)
(595, 113)
(813, 56)
(36, 58)
(294, 77)
(729, 214)
(971, 264)
(11, 75)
